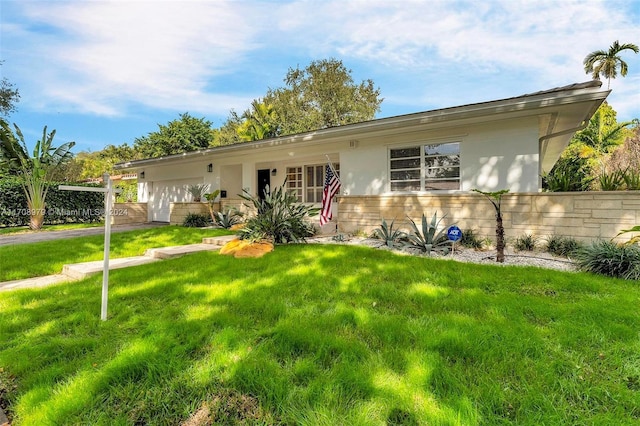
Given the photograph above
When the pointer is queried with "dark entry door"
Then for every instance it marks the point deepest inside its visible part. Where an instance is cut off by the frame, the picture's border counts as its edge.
(264, 180)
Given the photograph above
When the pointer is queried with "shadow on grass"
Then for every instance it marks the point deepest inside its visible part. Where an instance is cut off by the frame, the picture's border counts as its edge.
(327, 335)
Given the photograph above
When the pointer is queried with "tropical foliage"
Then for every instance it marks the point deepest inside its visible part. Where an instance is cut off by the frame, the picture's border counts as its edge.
(35, 170)
(600, 149)
(606, 63)
(279, 217)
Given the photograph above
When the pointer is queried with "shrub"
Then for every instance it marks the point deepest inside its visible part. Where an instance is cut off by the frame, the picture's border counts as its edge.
(61, 206)
(613, 181)
(562, 246)
(195, 220)
(427, 238)
(280, 217)
(471, 240)
(391, 237)
(632, 180)
(610, 259)
(526, 242)
(227, 218)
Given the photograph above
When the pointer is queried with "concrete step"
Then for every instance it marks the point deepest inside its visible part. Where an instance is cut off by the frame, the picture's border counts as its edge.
(218, 241)
(33, 283)
(79, 271)
(169, 252)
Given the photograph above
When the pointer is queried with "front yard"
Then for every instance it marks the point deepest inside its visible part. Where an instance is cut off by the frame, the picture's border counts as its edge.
(323, 334)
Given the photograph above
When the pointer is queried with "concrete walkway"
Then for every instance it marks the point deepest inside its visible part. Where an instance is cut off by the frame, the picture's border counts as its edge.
(78, 271)
(37, 236)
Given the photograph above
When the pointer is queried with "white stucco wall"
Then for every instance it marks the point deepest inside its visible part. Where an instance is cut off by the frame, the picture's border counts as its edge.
(494, 156)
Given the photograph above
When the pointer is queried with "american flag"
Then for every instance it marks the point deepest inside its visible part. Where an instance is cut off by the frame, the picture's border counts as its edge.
(331, 188)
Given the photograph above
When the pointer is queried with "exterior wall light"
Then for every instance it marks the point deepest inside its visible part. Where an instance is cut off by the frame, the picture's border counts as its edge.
(274, 172)
(142, 175)
(210, 168)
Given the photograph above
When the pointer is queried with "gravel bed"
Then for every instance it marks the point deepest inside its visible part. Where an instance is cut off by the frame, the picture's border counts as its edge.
(533, 258)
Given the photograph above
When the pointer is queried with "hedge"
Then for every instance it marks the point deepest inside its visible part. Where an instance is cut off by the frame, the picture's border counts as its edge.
(61, 206)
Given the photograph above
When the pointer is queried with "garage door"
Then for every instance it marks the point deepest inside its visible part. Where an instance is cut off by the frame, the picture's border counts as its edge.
(166, 192)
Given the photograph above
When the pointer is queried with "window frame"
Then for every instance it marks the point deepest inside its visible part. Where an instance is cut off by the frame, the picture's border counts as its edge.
(414, 165)
(301, 191)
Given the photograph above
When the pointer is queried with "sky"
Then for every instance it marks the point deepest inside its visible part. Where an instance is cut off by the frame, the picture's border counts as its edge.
(108, 72)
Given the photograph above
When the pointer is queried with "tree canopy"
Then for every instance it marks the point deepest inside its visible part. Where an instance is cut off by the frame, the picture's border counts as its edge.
(9, 97)
(184, 134)
(322, 95)
(606, 63)
(319, 96)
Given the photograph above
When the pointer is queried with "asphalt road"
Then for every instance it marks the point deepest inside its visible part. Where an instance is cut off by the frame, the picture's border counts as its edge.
(37, 236)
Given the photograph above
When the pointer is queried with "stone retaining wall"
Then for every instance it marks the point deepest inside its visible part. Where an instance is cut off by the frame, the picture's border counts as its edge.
(585, 216)
(129, 213)
(178, 211)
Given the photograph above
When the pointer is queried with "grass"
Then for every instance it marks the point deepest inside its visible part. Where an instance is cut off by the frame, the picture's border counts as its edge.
(313, 334)
(45, 258)
(60, 227)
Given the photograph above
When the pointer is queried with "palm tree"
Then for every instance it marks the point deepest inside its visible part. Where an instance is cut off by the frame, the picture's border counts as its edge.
(34, 171)
(260, 122)
(606, 64)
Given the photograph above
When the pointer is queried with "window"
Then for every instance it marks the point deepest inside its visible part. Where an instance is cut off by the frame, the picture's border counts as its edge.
(308, 186)
(294, 181)
(425, 168)
(314, 183)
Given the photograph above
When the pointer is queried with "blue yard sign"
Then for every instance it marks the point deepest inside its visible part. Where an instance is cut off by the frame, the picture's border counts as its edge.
(454, 233)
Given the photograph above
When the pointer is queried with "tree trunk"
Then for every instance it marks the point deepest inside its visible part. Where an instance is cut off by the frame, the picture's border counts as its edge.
(36, 219)
(499, 239)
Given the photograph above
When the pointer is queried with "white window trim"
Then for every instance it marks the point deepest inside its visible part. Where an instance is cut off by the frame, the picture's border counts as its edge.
(421, 144)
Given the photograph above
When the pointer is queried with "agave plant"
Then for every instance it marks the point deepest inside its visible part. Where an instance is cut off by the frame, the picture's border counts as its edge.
(227, 218)
(197, 191)
(428, 238)
(392, 237)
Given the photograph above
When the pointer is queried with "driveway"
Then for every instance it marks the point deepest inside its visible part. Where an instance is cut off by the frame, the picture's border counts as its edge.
(37, 236)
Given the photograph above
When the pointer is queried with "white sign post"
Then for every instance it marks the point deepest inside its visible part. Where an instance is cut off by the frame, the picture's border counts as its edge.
(108, 205)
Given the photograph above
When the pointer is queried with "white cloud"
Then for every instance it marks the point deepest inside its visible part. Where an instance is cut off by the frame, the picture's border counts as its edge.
(106, 58)
(102, 56)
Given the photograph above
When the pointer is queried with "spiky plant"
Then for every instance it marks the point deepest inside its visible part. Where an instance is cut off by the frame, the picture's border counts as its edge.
(428, 237)
(391, 237)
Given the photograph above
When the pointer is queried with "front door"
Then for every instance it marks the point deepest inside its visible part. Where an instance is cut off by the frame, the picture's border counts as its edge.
(264, 181)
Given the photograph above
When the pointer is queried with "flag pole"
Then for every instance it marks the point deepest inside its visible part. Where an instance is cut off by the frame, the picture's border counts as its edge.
(333, 169)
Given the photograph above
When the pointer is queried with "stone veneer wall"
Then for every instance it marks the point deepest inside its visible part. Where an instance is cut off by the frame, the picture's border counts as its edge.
(129, 213)
(178, 211)
(585, 216)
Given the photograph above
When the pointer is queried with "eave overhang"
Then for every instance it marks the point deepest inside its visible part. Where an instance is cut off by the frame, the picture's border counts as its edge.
(572, 105)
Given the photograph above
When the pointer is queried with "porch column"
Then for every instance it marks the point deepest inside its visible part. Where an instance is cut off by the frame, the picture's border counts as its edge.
(249, 177)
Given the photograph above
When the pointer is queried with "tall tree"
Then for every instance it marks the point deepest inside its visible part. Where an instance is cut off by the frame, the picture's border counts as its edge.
(322, 95)
(9, 96)
(33, 170)
(181, 135)
(606, 63)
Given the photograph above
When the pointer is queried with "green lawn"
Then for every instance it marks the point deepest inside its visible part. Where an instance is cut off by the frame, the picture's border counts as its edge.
(325, 335)
(45, 258)
(61, 227)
